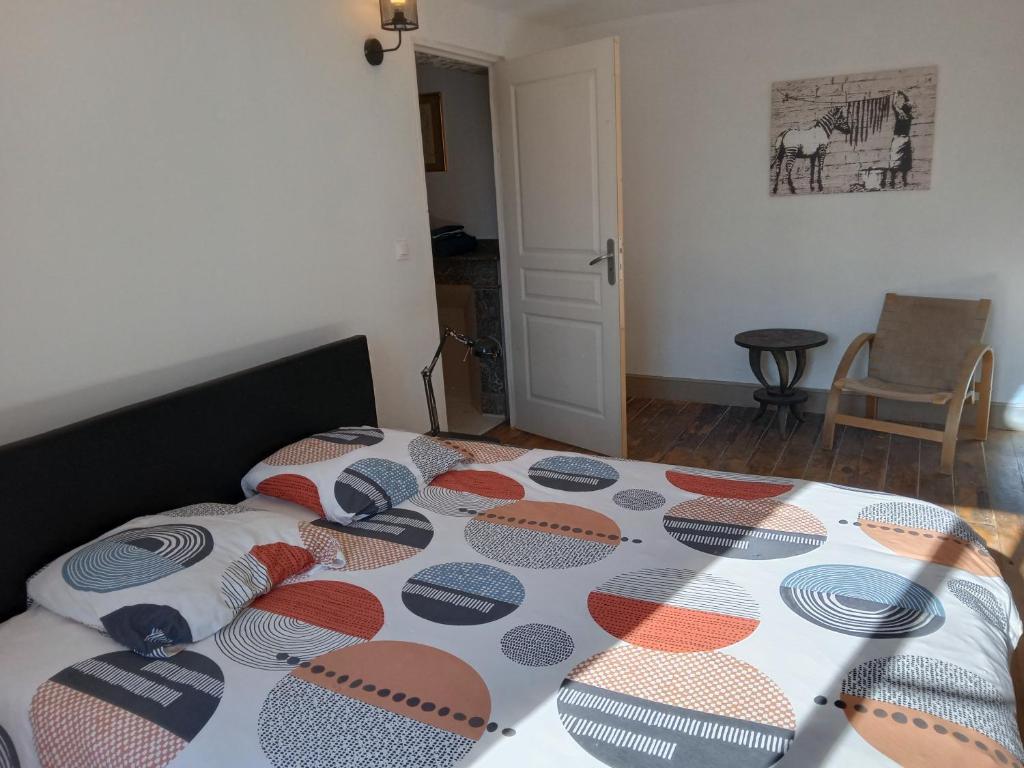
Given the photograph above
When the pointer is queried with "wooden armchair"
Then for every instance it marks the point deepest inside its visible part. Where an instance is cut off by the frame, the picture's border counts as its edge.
(924, 351)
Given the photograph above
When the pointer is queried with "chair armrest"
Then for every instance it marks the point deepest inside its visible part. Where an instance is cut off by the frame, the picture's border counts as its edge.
(850, 355)
(970, 364)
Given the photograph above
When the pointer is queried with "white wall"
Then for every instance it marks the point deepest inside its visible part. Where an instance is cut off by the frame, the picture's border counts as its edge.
(465, 193)
(709, 253)
(191, 187)
(457, 24)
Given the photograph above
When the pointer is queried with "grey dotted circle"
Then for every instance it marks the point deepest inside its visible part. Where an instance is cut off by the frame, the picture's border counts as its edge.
(537, 645)
(639, 499)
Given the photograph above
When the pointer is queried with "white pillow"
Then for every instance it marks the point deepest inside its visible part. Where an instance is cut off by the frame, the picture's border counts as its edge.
(352, 472)
(161, 581)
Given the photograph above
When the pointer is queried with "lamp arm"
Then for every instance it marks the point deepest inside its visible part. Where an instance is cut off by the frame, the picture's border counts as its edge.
(428, 373)
(389, 50)
(428, 387)
(429, 369)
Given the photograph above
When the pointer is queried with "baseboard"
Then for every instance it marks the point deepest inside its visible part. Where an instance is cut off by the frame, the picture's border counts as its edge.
(1004, 415)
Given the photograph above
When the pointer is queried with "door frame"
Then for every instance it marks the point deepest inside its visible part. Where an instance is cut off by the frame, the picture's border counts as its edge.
(488, 60)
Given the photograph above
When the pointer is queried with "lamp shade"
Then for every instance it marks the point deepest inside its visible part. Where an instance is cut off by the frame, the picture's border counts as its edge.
(399, 15)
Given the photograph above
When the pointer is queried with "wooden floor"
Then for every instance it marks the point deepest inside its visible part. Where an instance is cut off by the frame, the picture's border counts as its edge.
(986, 488)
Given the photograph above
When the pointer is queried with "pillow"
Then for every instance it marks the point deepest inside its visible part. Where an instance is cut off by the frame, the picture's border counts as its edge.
(352, 472)
(161, 581)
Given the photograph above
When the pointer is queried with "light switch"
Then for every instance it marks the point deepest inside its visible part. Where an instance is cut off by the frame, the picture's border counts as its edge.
(402, 250)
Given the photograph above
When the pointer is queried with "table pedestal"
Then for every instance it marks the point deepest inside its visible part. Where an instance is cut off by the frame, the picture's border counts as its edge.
(786, 397)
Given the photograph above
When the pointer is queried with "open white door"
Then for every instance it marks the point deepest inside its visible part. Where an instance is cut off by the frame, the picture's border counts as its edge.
(559, 154)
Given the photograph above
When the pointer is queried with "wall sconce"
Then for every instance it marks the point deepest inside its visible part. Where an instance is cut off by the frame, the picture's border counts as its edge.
(396, 16)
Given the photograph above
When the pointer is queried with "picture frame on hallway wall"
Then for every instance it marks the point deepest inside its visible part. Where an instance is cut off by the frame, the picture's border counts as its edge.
(435, 152)
(871, 132)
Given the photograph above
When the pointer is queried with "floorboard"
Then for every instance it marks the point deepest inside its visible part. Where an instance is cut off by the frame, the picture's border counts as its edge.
(847, 457)
(931, 484)
(736, 456)
(694, 446)
(904, 466)
(819, 466)
(768, 451)
(796, 453)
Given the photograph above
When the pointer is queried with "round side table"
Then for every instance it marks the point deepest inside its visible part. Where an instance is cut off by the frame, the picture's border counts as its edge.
(780, 342)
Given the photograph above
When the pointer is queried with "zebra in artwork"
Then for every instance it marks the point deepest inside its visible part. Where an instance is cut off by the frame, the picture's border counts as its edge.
(809, 143)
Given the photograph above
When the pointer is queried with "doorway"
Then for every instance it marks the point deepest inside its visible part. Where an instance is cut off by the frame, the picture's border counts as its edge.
(455, 115)
(554, 170)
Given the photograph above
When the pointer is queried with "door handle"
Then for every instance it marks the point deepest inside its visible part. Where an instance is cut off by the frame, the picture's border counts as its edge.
(609, 257)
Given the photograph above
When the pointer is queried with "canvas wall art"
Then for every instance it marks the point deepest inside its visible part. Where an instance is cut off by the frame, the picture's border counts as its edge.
(871, 132)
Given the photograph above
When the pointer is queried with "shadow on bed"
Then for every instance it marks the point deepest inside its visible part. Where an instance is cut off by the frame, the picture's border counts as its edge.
(833, 718)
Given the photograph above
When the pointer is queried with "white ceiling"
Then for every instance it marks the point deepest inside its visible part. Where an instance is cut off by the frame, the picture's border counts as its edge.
(575, 13)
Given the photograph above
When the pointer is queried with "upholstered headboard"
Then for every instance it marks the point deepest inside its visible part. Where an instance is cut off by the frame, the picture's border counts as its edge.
(65, 487)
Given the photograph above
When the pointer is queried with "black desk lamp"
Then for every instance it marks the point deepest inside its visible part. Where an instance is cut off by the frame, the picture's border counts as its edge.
(485, 348)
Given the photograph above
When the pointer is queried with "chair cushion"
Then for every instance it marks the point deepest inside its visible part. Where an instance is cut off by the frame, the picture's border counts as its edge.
(893, 391)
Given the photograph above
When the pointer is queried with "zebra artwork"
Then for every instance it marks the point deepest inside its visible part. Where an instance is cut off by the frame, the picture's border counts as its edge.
(812, 143)
(853, 133)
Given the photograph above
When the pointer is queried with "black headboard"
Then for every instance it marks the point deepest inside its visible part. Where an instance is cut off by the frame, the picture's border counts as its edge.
(65, 487)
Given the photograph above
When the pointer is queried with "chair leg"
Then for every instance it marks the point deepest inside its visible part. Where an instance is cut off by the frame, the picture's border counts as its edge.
(952, 431)
(871, 407)
(985, 401)
(831, 409)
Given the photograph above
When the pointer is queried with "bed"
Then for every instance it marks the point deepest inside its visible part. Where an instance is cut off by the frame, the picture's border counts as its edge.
(527, 608)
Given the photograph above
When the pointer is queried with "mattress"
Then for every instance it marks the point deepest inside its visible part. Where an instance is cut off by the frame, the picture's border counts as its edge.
(542, 608)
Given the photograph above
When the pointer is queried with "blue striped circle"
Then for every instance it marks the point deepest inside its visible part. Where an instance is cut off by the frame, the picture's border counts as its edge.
(371, 486)
(463, 593)
(573, 473)
(861, 601)
(136, 556)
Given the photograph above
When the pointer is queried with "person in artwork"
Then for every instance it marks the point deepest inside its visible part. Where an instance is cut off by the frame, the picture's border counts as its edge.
(901, 151)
